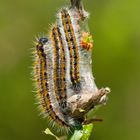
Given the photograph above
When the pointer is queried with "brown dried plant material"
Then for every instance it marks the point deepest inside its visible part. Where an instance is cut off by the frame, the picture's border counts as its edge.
(80, 105)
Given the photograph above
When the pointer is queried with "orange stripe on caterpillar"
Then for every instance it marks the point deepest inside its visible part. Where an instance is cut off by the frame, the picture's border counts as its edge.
(63, 76)
(40, 70)
(76, 52)
(59, 67)
(64, 22)
(73, 49)
(42, 81)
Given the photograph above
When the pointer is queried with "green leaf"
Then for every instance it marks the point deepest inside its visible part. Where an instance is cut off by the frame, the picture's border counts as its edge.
(77, 135)
(87, 130)
(82, 134)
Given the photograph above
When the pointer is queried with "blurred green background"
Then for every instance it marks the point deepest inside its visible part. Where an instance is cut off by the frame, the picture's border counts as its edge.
(115, 25)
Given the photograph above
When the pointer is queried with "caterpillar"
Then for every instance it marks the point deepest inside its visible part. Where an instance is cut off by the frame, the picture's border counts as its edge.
(65, 85)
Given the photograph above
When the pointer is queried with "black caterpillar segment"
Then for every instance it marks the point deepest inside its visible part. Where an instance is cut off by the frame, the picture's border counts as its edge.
(43, 84)
(59, 67)
(73, 49)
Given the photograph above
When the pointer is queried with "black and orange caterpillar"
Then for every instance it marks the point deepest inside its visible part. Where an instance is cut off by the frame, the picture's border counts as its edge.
(62, 67)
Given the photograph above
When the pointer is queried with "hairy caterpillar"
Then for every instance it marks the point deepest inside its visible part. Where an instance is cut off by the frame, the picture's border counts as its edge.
(63, 72)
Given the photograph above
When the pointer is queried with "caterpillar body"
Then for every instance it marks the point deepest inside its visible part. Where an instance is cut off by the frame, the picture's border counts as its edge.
(63, 71)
